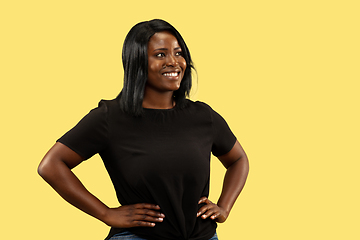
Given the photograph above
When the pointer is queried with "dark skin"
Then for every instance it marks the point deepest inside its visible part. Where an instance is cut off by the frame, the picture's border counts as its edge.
(164, 58)
(237, 168)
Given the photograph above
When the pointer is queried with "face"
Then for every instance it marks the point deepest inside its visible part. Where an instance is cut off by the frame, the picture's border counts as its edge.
(166, 65)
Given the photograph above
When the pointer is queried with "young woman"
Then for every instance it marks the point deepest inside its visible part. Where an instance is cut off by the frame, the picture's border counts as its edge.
(156, 146)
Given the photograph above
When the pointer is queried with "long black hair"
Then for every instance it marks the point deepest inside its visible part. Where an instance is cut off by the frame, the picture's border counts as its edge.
(135, 63)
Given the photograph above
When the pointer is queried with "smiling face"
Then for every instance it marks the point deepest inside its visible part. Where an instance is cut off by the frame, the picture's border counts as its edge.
(166, 65)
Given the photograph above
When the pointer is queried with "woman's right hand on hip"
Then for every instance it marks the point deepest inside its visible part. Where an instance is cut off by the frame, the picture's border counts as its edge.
(136, 215)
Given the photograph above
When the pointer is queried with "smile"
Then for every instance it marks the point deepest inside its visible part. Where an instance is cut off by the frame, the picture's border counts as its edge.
(171, 74)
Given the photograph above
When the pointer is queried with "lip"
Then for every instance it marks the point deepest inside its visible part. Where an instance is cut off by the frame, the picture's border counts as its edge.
(171, 70)
(175, 70)
(171, 77)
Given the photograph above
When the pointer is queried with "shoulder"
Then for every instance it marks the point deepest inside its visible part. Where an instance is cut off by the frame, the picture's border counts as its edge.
(197, 104)
(104, 109)
(201, 110)
(108, 106)
(200, 106)
(208, 111)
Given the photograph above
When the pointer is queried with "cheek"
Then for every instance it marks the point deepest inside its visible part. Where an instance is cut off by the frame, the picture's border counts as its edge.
(153, 69)
(183, 64)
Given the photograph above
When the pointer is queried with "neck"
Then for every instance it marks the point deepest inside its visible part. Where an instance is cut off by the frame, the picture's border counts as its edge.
(157, 100)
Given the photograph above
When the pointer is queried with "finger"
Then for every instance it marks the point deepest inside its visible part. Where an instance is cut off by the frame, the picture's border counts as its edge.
(208, 213)
(147, 218)
(202, 200)
(144, 209)
(149, 213)
(215, 215)
(147, 206)
(143, 224)
(203, 209)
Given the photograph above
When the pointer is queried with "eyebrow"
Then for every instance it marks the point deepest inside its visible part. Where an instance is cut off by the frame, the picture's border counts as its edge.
(165, 49)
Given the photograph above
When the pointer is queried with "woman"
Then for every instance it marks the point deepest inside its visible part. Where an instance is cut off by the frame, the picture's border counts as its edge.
(155, 145)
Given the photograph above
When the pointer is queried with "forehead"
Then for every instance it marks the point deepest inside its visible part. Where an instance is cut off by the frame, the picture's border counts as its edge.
(163, 39)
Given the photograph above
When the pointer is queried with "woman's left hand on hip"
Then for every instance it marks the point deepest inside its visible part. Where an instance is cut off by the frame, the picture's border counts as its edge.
(211, 210)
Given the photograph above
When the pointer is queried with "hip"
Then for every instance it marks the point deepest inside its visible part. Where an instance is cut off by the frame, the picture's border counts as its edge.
(126, 235)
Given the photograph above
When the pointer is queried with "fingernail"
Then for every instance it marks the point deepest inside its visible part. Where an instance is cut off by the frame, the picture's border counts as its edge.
(160, 219)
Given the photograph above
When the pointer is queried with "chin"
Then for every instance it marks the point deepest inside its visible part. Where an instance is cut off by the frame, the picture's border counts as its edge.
(173, 87)
(176, 88)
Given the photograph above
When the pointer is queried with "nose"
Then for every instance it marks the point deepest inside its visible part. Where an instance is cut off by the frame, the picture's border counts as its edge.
(171, 61)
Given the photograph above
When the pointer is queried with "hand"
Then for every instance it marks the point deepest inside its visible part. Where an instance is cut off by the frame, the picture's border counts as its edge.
(136, 215)
(212, 210)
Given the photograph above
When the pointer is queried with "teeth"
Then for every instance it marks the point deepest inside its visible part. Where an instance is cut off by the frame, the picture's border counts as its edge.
(173, 74)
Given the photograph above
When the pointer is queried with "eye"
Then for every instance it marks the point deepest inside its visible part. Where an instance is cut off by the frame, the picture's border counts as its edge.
(179, 54)
(160, 55)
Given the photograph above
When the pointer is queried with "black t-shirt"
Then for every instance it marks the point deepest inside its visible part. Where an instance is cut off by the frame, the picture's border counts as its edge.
(162, 157)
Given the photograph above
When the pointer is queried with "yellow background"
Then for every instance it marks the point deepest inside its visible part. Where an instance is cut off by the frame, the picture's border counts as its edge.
(284, 74)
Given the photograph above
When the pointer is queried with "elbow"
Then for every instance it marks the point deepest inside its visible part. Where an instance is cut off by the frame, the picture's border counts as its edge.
(42, 169)
(242, 162)
(46, 169)
(246, 165)
(241, 166)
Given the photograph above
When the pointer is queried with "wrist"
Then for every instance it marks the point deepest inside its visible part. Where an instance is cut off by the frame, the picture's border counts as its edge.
(225, 210)
(104, 216)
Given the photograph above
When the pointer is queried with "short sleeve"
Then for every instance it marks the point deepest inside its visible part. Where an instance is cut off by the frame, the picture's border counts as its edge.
(90, 135)
(224, 139)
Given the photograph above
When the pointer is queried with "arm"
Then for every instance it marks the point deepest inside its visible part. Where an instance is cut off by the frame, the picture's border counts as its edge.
(55, 169)
(237, 166)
